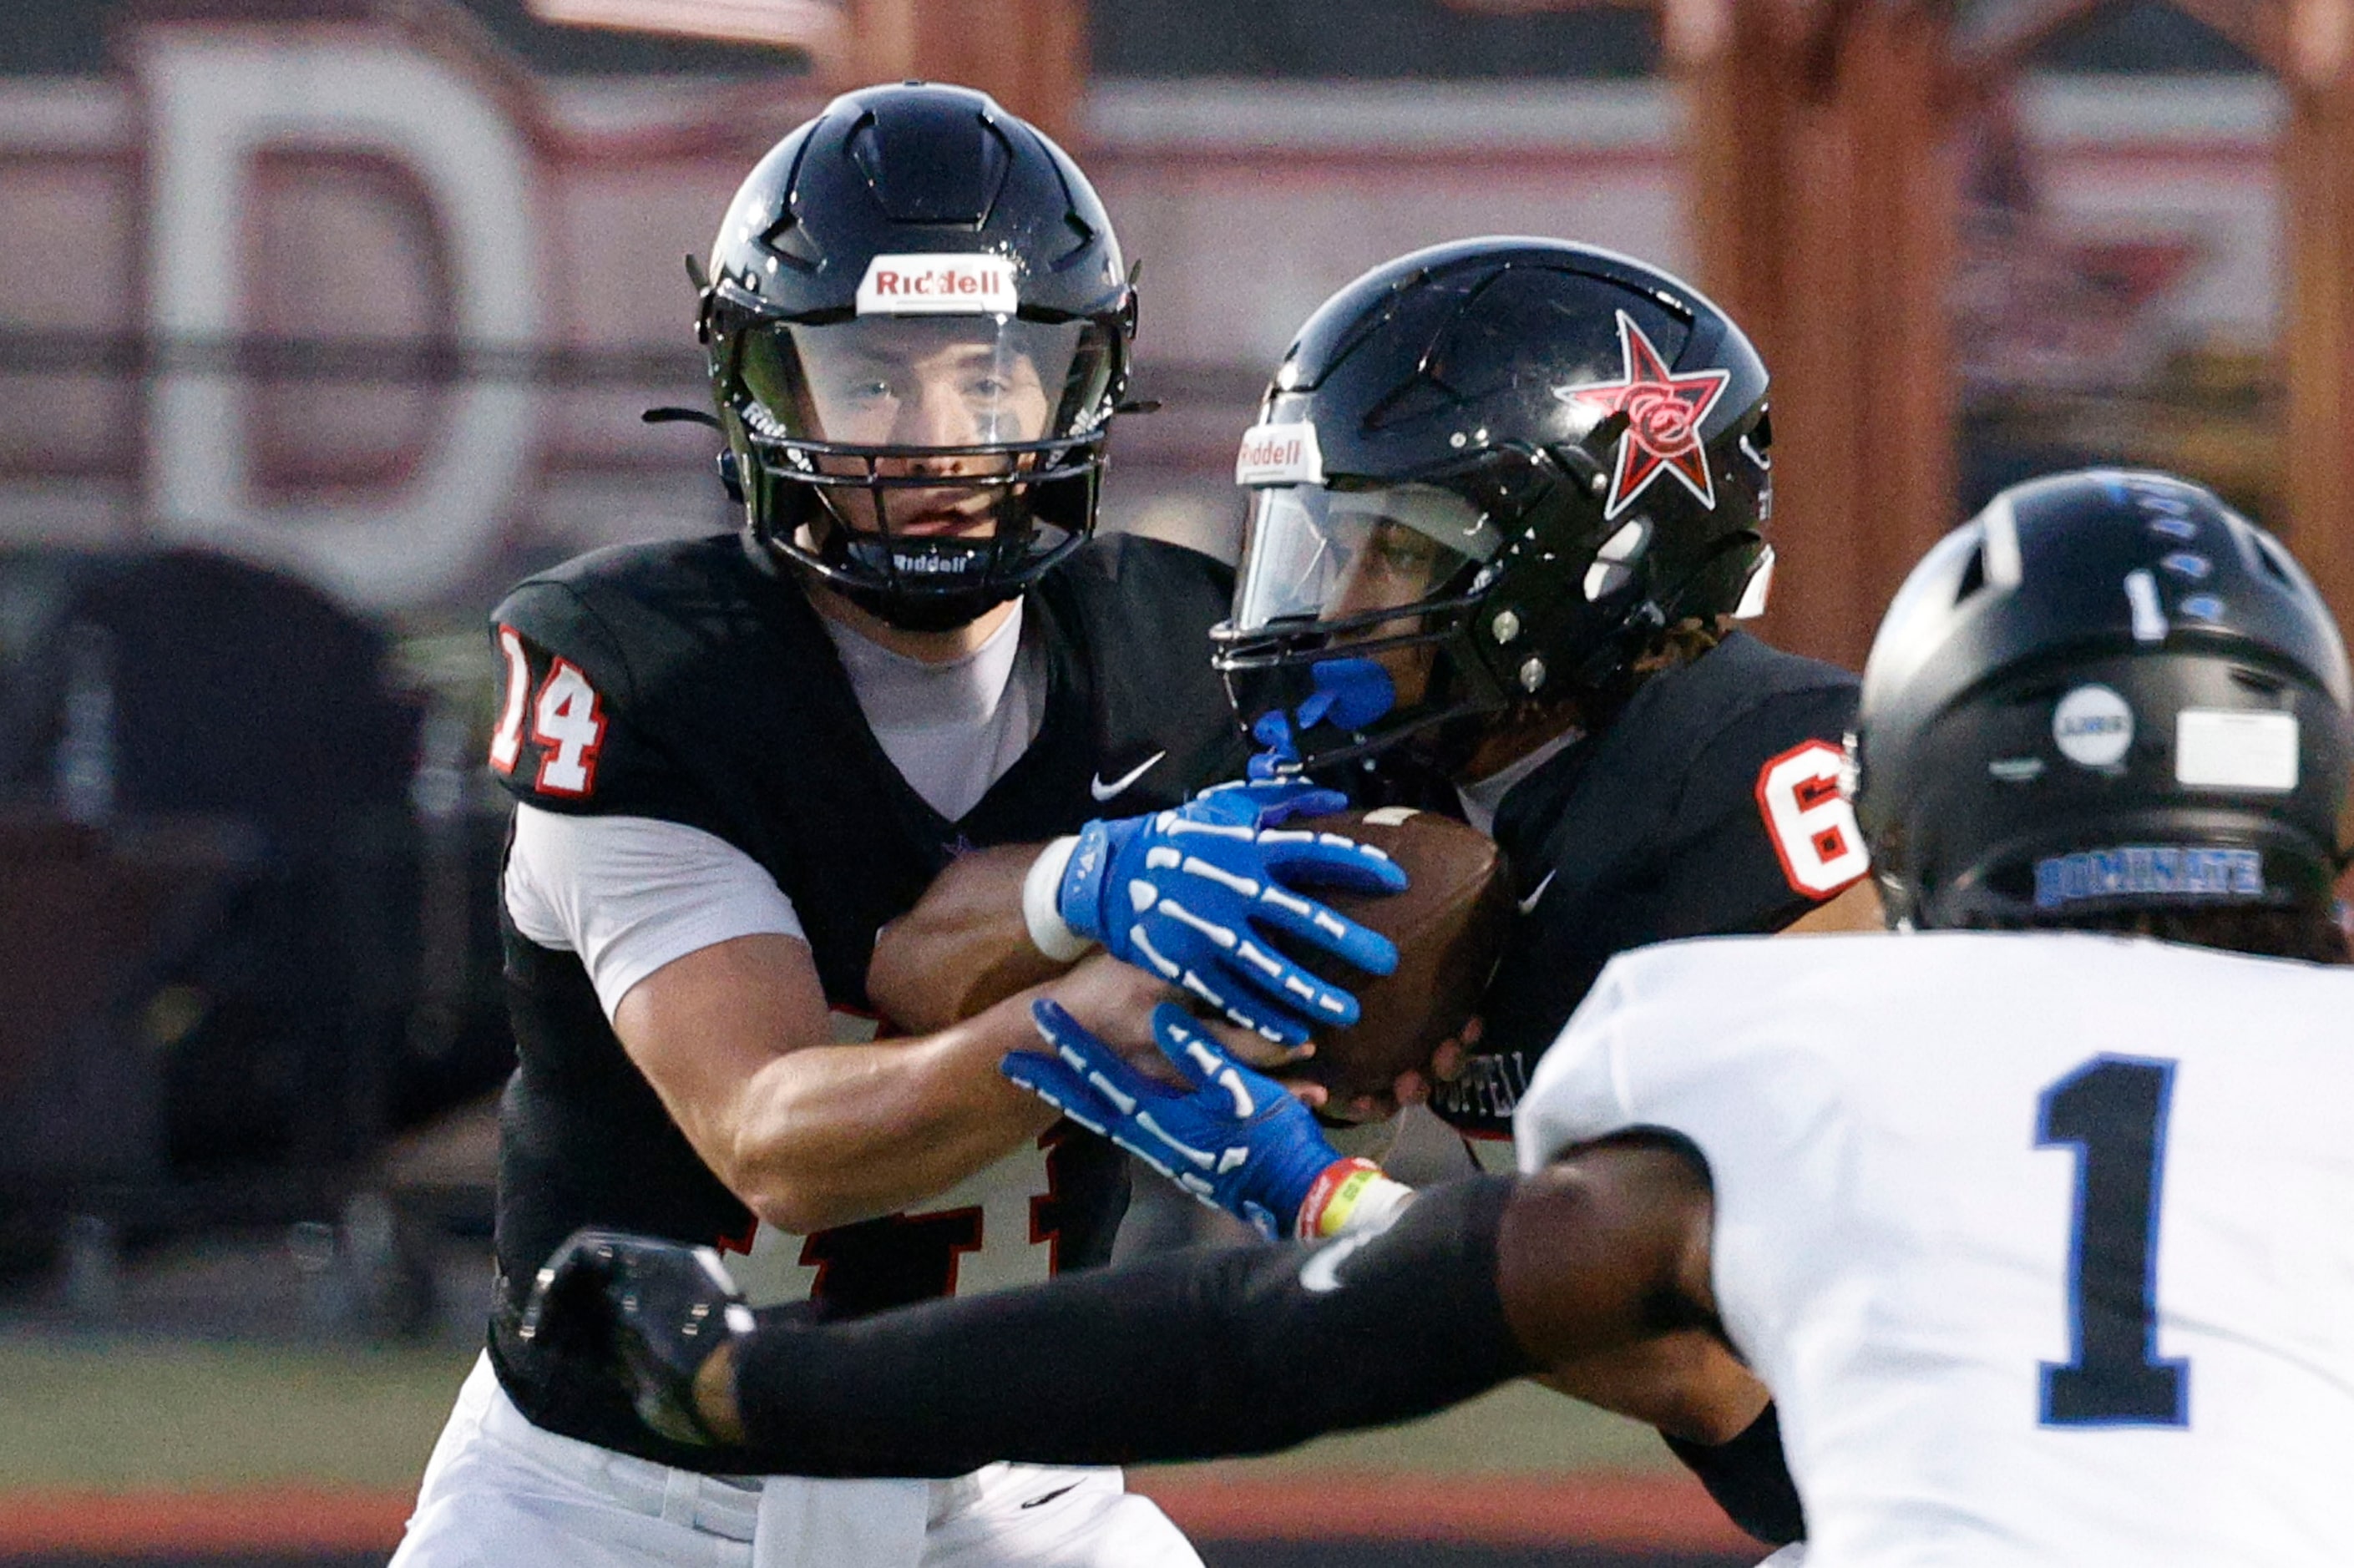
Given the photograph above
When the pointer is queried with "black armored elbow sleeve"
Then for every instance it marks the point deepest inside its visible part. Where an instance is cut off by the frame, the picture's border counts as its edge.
(1189, 1355)
(1750, 1479)
(1365, 1330)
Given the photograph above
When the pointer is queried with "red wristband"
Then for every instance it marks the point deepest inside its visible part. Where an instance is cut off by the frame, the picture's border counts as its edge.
(1334, 1196)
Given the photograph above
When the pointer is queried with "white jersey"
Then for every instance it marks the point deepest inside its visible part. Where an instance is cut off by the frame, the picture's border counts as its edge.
(2044, 1243)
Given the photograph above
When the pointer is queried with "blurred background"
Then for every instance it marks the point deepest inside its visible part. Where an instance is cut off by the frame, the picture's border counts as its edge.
(322, 320)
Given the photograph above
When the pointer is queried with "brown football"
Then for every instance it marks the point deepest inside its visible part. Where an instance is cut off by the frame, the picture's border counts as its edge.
(960, 949)
(1449, 927)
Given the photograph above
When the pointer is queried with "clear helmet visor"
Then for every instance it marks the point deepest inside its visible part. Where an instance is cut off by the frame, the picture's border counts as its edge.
(1312, 554)
(958, 431)
(923, 385)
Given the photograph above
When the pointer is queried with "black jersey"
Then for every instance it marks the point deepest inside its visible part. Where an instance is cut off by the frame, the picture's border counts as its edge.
(1709, 806)
(690, 681)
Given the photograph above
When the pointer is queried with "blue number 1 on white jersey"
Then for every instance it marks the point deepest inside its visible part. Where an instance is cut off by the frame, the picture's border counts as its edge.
(2112, 1112)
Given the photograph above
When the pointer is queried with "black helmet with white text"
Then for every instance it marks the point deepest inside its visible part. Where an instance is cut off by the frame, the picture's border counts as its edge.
(1489, 474)
(2107, 692)
(917, 322)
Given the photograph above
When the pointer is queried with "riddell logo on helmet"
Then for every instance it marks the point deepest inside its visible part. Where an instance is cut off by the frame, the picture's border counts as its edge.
(949, 285)
(1280, 454)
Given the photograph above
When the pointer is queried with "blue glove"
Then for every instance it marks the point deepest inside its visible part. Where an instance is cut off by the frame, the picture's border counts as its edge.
(1192, 896)
(1237, 1141)
(1265, 802)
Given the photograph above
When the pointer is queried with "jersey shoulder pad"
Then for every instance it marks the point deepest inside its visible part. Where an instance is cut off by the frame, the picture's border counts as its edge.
(583, 649)
(1134, 614)
(1743, 684)
(1766, 786)
(1736, 764)
(1766, 671)
(1150, 572)
(634, 613)
(1652, 1012)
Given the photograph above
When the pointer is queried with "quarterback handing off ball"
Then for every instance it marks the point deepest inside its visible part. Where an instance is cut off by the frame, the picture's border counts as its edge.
(1449, 925)
(950, 957)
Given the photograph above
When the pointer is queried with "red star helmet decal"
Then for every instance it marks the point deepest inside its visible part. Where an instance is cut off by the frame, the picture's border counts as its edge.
(1664, 413)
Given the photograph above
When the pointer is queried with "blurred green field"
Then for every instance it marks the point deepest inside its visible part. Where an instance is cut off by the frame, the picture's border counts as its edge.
(118, 1413)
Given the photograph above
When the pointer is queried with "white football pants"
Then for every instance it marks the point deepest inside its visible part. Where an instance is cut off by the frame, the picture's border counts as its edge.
(502, 1492)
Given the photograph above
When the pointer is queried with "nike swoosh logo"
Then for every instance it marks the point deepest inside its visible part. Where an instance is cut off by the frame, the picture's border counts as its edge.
(1530, 903)
(1058, 1491)
(1321, 1272)
(1103, 792)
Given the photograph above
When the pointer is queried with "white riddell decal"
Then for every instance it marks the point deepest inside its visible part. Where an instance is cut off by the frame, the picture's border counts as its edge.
(1280, 454)
(970, 284)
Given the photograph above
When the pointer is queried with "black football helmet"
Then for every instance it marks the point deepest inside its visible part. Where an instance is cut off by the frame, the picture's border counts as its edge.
(2107, 692)
(1496, 471)
(917, 322)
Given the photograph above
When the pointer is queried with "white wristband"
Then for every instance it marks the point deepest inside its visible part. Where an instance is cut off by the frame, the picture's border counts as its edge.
(1377, 1206)
(1041, 892)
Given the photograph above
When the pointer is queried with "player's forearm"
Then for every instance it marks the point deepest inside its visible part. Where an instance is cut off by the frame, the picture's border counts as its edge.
(1685, 1383)
(832, 1134)
(964, 947)
(1189, 1355)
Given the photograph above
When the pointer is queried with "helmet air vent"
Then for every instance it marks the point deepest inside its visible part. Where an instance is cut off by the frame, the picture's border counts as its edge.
(1973, 576)
(929, 159)
(1998, 531)
(2273, 561)
(1614, 564)
(791, 242)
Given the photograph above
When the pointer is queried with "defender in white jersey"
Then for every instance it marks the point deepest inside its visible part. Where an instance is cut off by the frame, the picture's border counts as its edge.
(2038, 1240)
(2030, 1216)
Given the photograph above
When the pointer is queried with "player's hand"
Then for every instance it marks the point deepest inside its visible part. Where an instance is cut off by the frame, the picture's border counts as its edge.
(1234, 1137)
(649, 1312)
(1447, 1062)
(1195, 897)
(1413, 1087)
(1114, 1001)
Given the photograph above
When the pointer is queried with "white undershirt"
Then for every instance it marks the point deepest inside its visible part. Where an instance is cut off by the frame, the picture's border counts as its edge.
(630, 894)
(1481, 799)
(953, 730)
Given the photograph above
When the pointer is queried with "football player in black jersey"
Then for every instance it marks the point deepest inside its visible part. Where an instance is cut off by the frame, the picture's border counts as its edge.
(1509, 499)
(735, 759)
(1508, 506)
